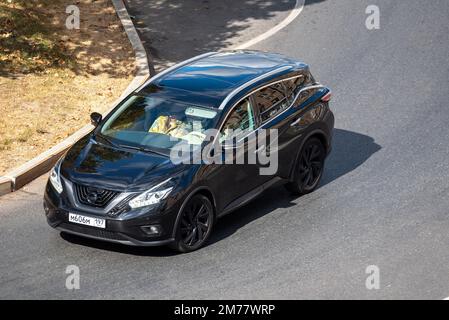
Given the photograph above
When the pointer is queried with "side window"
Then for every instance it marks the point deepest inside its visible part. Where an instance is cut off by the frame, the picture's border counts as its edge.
(240, 121)
(293, 86)
(270, 101)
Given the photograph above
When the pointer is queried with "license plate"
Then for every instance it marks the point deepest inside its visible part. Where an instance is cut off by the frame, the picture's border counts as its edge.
(87, 221)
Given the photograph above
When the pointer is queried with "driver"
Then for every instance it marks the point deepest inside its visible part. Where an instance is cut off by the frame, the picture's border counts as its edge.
(169, 125)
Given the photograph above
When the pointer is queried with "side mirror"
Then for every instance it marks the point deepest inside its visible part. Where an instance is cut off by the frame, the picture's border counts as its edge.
(95, 118)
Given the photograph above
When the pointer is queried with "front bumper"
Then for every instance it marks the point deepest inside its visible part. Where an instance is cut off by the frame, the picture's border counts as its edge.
(123, 231)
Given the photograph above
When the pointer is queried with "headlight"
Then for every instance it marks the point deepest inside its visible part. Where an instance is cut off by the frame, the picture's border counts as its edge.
(55, 177)
(151, 196)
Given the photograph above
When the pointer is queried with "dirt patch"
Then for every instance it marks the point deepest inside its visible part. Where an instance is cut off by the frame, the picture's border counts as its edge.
(52, 78)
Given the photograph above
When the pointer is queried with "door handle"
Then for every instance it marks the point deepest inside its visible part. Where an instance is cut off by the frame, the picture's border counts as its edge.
(296, 122)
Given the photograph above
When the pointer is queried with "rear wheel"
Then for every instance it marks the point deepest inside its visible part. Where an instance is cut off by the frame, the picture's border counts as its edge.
(195, 224)
(309, 168)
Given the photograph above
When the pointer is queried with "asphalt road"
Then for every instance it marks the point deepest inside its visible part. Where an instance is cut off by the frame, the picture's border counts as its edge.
(383, 201)
(175, 30)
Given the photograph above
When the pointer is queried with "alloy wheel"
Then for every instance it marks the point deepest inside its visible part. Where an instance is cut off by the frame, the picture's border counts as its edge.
(196, 222)
(311, 165)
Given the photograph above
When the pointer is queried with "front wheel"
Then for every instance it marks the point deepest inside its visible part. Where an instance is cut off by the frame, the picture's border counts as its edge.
(195, 224)
(309, 168)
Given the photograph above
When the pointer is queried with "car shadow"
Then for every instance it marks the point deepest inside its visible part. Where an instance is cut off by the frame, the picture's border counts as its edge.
(350, 150)
(116, 247)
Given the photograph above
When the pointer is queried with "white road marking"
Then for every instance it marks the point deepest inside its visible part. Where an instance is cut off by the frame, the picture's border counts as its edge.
(292, 16)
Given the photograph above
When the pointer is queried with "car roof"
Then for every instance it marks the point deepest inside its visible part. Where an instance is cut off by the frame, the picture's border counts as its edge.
(210, 79)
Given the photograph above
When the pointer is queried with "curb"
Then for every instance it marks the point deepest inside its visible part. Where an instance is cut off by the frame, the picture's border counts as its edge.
(20, 176)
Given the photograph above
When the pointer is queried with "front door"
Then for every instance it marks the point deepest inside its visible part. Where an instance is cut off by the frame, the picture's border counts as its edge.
(236, 176)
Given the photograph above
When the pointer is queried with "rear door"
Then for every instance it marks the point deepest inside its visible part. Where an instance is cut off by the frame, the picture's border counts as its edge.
(272, 103)
(300, 118)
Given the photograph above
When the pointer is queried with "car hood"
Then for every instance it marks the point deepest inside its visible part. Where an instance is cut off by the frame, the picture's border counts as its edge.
(92, 163)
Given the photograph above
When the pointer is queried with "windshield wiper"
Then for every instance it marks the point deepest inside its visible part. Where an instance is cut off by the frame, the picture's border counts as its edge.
(142, 149)
(105, 139)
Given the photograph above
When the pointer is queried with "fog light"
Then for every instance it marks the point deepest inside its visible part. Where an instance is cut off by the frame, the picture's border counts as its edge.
(152, 230)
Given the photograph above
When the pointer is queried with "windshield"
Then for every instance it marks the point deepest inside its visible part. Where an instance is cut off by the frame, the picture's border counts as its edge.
(153, 122)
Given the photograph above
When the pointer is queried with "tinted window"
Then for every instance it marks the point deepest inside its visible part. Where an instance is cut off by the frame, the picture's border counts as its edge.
(293, 86)
(240, 121)
(303, 96)
(150, 122)
(270, 101)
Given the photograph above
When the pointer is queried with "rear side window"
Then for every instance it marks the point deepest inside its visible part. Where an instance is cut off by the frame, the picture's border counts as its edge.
(270, 101)
(293, 86)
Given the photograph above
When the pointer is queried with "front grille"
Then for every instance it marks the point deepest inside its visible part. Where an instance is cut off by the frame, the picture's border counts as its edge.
(98, 233)
(121, 207)
(94, 197)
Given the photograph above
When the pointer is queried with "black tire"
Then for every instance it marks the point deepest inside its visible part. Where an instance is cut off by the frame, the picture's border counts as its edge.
(309, 168)
(195, 224)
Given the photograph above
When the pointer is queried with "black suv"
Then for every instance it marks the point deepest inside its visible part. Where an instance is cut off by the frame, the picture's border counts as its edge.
(129, 182)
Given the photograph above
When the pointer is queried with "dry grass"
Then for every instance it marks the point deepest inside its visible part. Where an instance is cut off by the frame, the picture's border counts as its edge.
(52, 78)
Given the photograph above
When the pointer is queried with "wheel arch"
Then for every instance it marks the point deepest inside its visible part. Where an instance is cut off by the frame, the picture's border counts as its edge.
(203, 190)
(320, 135)
(317, 133)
